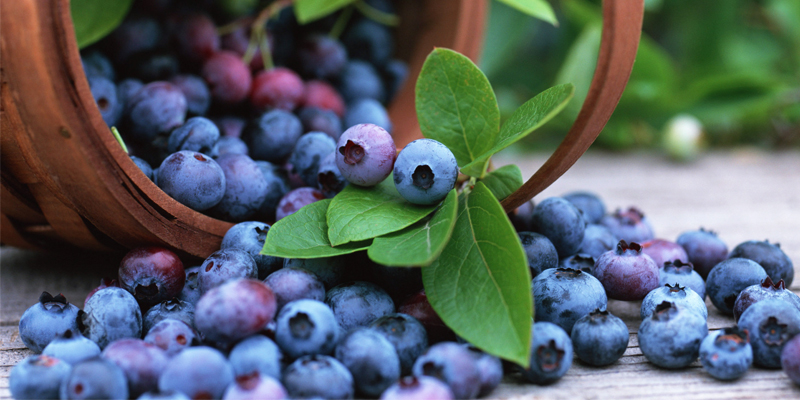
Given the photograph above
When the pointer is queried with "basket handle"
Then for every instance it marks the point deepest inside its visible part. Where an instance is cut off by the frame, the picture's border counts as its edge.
(622, 27)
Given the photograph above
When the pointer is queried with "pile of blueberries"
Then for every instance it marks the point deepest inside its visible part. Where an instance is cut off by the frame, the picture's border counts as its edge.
(245, 325)
(220, 133)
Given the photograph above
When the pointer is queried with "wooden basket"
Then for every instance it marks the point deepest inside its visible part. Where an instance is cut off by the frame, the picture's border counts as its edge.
(66, 182)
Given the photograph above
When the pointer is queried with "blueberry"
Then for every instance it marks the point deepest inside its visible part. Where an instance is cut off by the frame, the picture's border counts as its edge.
(371, 359)
(249, 236)
(367, 111)
(291, 284)
(490, 370)
(296, 199)
(198, 372)
(37, 377)
(191, 289)
(306, 327)
(395, 74)
(152, 65)
(561, 222)
(322, 95)
(599, 338)
(360, 80)
(192, 179)
(590, 205)
(245, 188)
(230, 126)
(562, 296)
(277, 88)
(425, 172)
(234, 310)
(111, 314)
(630, 225)
(406, 334)
(277, 187)
(399, 282)
(256, 354)
(196, 37)
(141, 362)
(158, 107)
(454, 365)
(168, 395)
(144, 166)
(134, 35)
(321, 57)
(198, 97)
(308, 154)
(329, 270)
(45, 320)
(229, 145)
(771, 324)
(418, 306)
(105, 96)
(770, 256)
(684, 275)
(227, 76)
(318, 376)
(168, 309)
(726, 354)
(273, 135)
(522, 217)
(681, 296)
(365, 154)
(790, 359)
(597, 239)
(369, 40)
(540, 251)
(358, 303)
(255, 387)
(104, 283)
(96, 64)
(329, 179)
(71, 347)
(238, 41)
(551, 354)
(728, 278)
(152, 275)
(319, 120)
(765, 290)
(418, 387)
(704, 248)
(580, 261)
(196, 134)
(126, 89)
(626, 273)
(95, 378)
(662, 251)
(172, 336)
(670, 337)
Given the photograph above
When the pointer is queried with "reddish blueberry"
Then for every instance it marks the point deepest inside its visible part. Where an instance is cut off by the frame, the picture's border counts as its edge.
(365, 154)
(227, 77)
(277, 88)
(152, 274)
(627, 273)
(630, 225)
(295, 200)
(322, 95)
(141, 362)
(235, 310)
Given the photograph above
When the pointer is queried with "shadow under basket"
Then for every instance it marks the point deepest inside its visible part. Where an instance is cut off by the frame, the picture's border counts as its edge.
(67, 183)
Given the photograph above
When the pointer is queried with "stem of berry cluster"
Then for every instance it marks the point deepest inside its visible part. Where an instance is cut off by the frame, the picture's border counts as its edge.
(341, 23)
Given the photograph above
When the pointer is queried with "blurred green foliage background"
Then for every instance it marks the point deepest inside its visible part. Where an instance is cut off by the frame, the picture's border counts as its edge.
(733, 64)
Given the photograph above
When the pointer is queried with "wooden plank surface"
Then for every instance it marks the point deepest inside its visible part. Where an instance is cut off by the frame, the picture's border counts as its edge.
(742, 194)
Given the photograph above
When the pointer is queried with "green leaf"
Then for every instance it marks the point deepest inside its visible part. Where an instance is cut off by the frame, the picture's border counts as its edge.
(359, 213)
(304, 234)
(456, 106)
(535, 8)
(94, 19)
(481, 285)
(310, 10)
(419, 244)
(503, 181)
(527, 118)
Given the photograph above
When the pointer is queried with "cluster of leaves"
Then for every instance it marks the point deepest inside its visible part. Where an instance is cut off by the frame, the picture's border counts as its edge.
(474, 268)
(734, 68)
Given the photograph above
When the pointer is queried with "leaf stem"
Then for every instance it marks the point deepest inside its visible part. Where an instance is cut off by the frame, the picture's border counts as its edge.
(117, 136)
(377, 15)
(341, 23)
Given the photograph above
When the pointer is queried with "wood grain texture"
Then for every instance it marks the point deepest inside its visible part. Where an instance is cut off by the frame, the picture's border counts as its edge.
(744, 194)
(622, 26)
